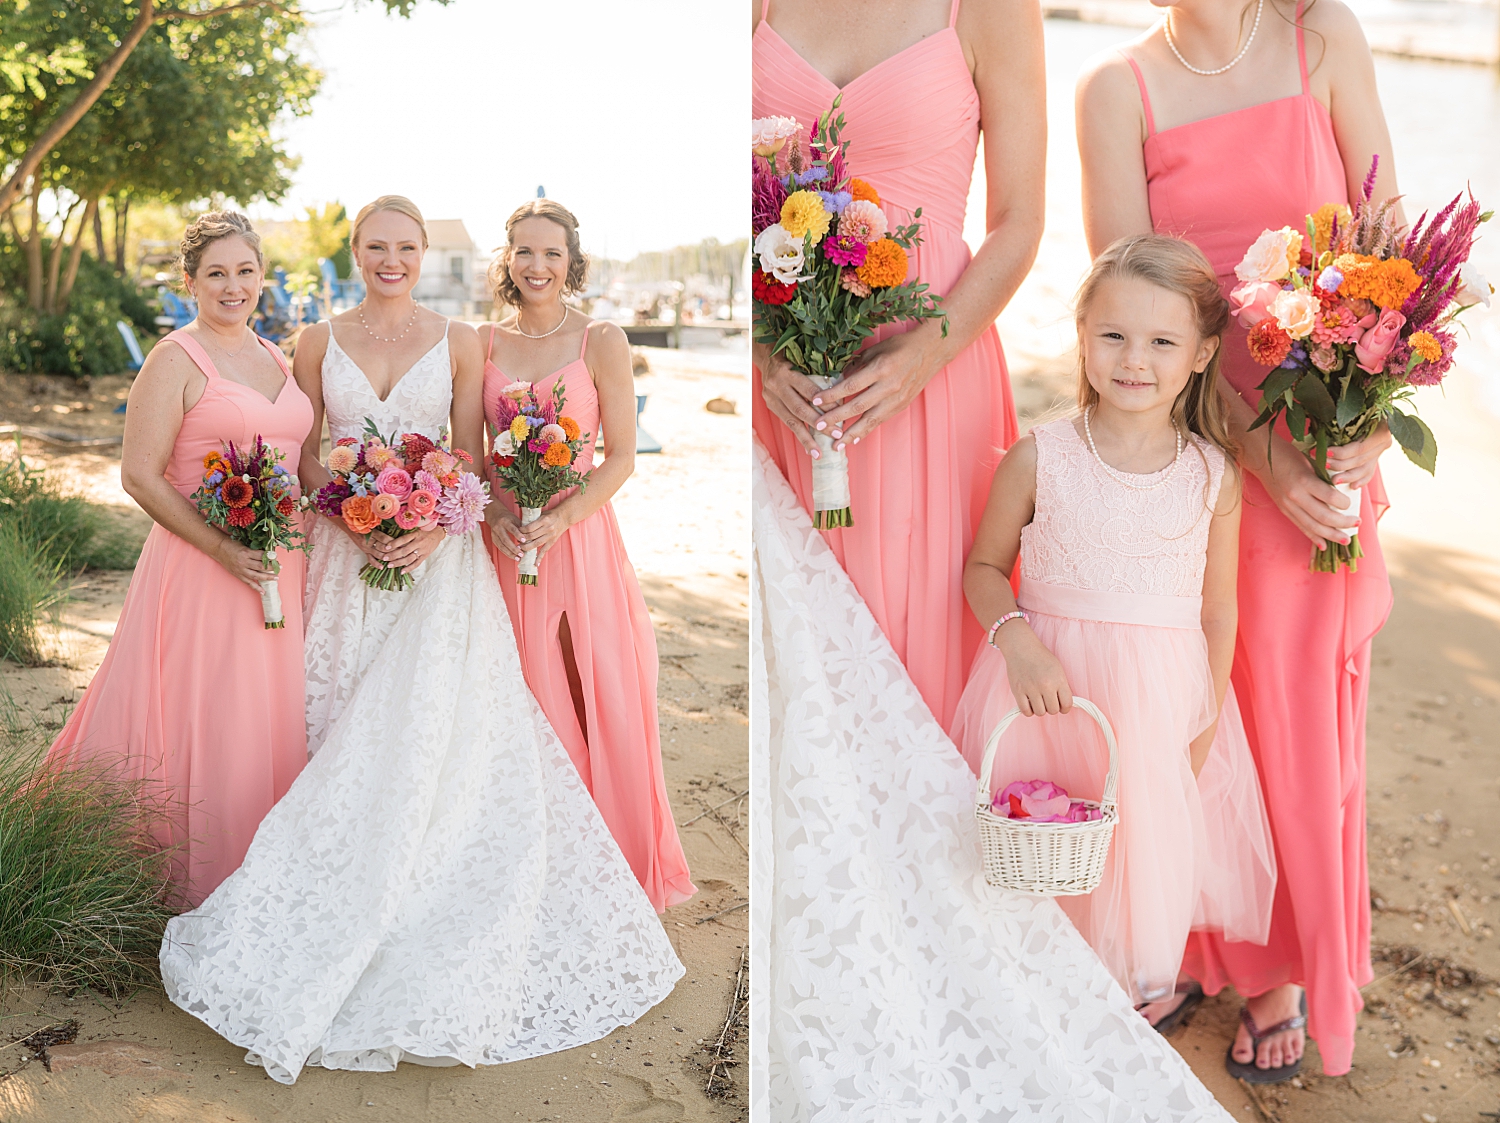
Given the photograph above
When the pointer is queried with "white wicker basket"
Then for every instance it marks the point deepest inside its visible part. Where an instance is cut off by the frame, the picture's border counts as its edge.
(1047, 859)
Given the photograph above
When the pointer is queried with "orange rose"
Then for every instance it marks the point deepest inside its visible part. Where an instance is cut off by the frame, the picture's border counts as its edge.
(357, 514)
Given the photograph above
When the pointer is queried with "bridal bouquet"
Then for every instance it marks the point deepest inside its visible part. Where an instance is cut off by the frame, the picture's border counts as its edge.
(399, 485)
(1352, 317)
(832, 270)
(250, 497)
(535, 447)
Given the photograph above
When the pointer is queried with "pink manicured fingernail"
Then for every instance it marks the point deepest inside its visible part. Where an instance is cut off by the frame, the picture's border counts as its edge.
(837, 433)
(858, 439)
(840, 446)
(816, 455)
(817, 401)
(821, 425)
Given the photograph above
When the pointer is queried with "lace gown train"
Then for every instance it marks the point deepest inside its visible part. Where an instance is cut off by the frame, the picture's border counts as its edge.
(437, 886)
(892, 984)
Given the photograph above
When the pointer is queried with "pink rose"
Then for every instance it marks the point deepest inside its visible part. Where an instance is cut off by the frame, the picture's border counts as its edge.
(1250, 303)
(422, 501)
(394, 481)
(1376, 343)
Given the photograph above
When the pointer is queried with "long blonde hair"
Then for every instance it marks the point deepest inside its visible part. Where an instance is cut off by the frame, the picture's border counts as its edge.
(1177, 266)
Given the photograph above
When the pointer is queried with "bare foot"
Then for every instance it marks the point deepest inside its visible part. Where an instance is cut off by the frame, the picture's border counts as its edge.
(1267, 1009)
(1154, 1012)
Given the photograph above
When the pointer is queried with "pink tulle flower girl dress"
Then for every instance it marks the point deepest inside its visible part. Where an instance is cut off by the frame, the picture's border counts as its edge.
(1111, 580)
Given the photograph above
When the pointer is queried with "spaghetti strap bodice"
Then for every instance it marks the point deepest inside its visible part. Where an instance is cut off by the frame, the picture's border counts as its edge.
(912, 122)
(1220, 181)
(232, 411)
(419, 402)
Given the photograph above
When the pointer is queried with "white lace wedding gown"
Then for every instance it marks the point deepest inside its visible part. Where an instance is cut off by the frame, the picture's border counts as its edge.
(891, 983)
(437, 886)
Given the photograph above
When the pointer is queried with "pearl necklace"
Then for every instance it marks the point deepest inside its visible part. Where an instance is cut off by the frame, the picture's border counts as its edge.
(360, 310)
(1125, 477)
(544, 334)
(1259, 7)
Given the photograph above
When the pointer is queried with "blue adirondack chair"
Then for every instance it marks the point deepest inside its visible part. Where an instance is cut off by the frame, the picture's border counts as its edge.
(644, 441)
(131, 344)
(180, 312)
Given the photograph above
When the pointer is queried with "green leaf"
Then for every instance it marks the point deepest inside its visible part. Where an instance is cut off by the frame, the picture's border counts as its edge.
(1277, 383)
(1351, 404)
(1315, 399)
(1415, 439)
(1296, 420)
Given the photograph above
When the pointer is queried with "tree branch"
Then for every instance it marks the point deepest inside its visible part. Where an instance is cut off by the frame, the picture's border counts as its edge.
(73, 113)
(210, 13)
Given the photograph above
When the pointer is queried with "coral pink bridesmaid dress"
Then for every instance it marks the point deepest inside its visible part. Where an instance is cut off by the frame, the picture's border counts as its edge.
(919, 482)
(195, 694)
(1302, 661)
(588, 577)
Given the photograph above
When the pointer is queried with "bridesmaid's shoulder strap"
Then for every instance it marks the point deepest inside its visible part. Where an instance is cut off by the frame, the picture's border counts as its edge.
(765, 10)
(490, 348)
(1140, 81)
(1302, 48)
(195, 352)
(583, 348)
(276, 354)
(953, 13)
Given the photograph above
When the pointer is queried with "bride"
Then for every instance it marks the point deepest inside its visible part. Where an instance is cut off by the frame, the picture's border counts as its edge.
(437, 886)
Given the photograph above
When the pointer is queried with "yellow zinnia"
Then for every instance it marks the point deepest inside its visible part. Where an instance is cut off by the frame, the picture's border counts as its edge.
(803, 214)
(519, 429)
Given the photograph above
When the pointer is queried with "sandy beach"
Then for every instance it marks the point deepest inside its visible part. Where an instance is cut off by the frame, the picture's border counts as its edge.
(685, 519)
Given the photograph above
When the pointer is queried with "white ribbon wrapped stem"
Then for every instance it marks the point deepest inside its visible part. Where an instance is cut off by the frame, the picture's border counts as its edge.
(527, 567)
(270, 595)
(830, 470)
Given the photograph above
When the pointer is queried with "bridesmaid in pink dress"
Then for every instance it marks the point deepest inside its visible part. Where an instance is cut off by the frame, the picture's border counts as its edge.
(195, 694)
(587, 646)
(925, 417)
(1176, 135)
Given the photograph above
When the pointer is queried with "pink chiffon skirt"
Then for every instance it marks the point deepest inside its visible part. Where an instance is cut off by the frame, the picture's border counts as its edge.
(1187, 854)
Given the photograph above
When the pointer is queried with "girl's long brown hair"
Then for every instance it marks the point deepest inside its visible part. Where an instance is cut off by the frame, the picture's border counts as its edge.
(1177, 266)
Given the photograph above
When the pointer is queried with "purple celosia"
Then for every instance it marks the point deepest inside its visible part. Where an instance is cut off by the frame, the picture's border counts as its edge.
(505, 411)
(1424, 373)
(767, 194)
(462, 506)
(1438, 250)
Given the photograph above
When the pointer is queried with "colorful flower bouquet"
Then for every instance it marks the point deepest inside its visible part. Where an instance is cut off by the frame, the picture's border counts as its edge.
(250, 497)
(1042, 801)
(832, 270)
(1352, 318)
(533, 455)
(399, 485)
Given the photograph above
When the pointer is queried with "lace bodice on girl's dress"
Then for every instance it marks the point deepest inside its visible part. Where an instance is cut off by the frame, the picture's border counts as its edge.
(1091, 531)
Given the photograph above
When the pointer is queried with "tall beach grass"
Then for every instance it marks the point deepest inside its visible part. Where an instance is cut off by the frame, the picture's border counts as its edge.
(84, 892)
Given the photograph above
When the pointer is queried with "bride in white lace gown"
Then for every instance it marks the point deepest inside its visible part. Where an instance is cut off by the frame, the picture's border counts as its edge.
(891, 983)
(437, 886)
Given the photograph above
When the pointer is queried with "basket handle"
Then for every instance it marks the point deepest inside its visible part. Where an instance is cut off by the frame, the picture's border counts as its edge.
(1107, 801)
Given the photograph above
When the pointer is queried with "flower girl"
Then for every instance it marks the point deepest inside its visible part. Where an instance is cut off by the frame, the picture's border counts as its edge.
(1126, 524)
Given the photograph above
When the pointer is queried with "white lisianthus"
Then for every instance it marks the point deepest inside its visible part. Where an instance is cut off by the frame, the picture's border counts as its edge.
(781, 255)
(1296, 312)
(1272, 257)
(1473, 287)
(505, 444)
(769, 134)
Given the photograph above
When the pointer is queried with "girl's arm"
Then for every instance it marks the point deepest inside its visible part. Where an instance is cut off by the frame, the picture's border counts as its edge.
(1036, 677)
(1004, 41)
(158, 400)
(609, 366)
(1220, 602)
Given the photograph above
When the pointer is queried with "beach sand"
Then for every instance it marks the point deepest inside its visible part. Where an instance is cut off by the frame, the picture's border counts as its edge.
(685, 519)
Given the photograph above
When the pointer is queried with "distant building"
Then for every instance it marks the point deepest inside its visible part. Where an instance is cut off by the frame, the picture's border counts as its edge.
(453, 271)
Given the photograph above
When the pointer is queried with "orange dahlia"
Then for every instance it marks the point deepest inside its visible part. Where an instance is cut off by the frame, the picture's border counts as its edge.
(357, 514)
(241, 516)
(862, 190)
(1269, 345)
(570, 428)
(558, 455)
(885, 264)
(237, 492)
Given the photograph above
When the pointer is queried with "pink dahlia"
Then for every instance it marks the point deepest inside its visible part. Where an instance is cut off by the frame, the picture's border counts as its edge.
(849, 281)
(461, 508)
(1335, 323)
(863, 221)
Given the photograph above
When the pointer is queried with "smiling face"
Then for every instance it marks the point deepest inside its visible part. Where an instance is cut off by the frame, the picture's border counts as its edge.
(389, 254)
(539, 260)
(227, 284)
(1140, 345)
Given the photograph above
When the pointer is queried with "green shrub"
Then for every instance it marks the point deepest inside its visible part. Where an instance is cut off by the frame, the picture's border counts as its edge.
(81, 341)
(30, 588)
(84, 893)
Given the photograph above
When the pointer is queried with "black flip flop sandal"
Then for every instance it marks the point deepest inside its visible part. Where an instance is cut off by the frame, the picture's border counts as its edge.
(1247, 1071)
(1192, 998)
